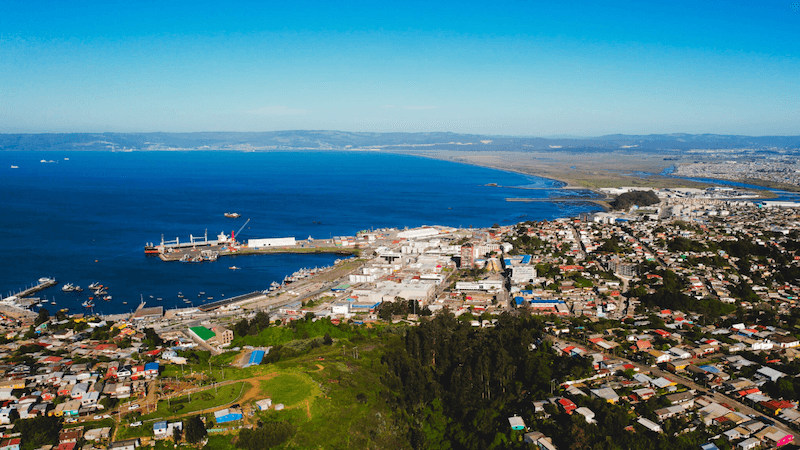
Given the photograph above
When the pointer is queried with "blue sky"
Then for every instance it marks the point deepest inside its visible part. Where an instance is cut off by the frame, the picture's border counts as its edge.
(576, 68)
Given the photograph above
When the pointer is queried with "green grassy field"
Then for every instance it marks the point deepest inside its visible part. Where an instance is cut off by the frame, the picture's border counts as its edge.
(291, 389)
(128, 432)
(332, 399)
(301, 330)
(199, 401)
(337, 417)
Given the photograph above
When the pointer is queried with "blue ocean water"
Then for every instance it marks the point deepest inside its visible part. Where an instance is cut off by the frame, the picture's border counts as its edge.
(86, 216)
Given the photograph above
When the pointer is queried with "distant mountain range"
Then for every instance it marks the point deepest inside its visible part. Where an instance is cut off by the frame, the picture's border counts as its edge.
(344, 140)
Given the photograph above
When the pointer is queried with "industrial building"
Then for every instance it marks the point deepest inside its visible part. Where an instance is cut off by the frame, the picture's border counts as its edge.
(273, 242)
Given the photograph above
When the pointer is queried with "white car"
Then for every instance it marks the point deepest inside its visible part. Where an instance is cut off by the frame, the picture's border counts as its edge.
(97, 417)
(133, 406)
(136, 424)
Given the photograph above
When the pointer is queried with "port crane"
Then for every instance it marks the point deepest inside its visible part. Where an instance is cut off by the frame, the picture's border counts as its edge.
(233, 235)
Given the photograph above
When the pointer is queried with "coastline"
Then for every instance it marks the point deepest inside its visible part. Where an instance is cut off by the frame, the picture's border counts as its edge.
(565, 182)
(765, 189)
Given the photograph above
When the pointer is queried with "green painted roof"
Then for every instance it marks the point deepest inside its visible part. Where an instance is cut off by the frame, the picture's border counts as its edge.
(204, 333)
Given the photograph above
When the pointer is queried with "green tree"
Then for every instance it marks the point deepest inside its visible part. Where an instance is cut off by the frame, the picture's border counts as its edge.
(270, 434)
(195, 430)
(44, 316)
(39, 431)
(261, 320)
(434, 427)
(61, 315)
(241, 328)
(152, 339)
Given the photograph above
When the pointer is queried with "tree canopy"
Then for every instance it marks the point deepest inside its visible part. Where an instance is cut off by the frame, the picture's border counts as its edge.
(195, 430)
(640, 198)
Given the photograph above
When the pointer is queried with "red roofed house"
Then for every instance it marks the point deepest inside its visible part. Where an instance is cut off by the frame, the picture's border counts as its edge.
(65, 389)
(775, 406)
(567, 405)
(746, 392)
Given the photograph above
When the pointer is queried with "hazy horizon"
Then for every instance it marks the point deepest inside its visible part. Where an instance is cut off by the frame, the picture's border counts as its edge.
(521, 136)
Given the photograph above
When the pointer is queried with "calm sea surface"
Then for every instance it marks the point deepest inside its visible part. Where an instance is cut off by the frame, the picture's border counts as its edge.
(87, 218)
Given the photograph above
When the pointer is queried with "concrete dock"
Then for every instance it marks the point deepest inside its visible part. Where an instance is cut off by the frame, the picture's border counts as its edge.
(50, 282)
(195, 254)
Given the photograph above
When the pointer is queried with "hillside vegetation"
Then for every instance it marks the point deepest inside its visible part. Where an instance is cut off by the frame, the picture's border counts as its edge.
(639, 198)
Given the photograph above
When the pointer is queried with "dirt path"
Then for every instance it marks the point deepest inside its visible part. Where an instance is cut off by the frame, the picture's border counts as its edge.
(255, 391)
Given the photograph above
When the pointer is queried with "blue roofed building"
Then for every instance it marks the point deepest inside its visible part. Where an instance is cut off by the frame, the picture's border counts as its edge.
(227, 415)
(162, 429)
(710, 369)
(255, 358)
(151, 369)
